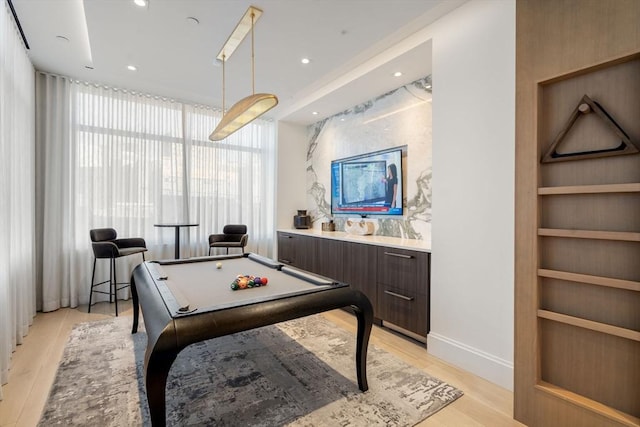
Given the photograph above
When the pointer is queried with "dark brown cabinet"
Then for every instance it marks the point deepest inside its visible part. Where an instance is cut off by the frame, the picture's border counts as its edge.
(286, 248)
(329, 260)
(297, 250)
(403, 288)
(359, 270)
(396, 281)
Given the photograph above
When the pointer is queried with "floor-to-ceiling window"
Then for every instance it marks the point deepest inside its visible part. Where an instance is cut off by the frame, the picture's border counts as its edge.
(120, 159)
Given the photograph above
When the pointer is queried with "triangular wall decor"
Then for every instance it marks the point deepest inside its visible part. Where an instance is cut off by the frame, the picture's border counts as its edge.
(586, 106)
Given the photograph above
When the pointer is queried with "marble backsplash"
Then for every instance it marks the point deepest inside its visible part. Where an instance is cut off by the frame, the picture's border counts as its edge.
(397, 118)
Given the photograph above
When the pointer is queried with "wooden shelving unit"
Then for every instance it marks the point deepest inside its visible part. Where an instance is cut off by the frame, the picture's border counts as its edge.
(589, 279)
(577, 214)
(559, 328)
(590, 189)
(590, 234)
(589, 241)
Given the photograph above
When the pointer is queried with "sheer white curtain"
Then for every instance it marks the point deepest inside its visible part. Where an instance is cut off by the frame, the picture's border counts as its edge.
(53, 133)
(17, 259)
(230, 181)
(124, 160)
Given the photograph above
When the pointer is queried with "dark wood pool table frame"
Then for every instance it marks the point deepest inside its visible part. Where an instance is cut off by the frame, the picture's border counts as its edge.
(169, 334)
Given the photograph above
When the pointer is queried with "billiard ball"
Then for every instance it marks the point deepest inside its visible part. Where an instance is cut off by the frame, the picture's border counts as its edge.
(219, 265)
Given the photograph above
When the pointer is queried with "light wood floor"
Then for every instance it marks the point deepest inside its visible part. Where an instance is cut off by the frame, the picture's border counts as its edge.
(35, 363)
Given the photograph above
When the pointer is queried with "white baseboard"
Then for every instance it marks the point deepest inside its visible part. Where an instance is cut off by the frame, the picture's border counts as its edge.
(478, 362)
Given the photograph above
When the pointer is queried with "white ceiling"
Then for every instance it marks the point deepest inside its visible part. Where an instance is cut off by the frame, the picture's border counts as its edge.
(352, 44)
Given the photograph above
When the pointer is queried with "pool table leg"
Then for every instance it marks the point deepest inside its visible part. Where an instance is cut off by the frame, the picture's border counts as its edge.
(365, 320)
(156, 375)
(136, 306)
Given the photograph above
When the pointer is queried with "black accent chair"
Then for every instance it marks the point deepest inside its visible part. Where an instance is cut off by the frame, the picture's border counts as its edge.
(233, 236)
(106, 245)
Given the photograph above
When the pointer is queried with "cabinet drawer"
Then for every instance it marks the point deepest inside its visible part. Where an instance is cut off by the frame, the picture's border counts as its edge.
(296, 250)
(404, 309)
(403, 269)
(286, 250)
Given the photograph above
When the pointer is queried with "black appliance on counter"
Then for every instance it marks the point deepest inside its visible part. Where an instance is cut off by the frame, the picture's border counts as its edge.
(302, 220)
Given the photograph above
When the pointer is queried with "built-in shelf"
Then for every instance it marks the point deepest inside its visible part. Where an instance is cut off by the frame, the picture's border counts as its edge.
(579, 350)
(576, 399)
(590, 234)
(592, 280)
(629, 334)
(633, 187)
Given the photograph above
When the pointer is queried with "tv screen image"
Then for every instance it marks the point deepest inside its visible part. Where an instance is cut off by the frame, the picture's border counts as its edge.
(365, 184)
(368, 184)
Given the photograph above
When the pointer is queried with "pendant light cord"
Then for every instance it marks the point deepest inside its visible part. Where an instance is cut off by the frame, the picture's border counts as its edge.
(223, 82)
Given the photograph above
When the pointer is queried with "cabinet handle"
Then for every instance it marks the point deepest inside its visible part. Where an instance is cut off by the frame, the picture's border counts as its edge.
(393, 294)
(399, 255)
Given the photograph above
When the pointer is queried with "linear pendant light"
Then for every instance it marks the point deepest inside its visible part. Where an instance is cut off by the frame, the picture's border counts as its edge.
(253, 106)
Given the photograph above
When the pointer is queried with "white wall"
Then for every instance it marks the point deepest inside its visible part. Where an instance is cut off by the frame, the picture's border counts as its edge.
(473, 189)
(291, 175)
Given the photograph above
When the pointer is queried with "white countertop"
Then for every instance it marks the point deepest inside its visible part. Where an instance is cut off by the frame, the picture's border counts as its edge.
(394, 242)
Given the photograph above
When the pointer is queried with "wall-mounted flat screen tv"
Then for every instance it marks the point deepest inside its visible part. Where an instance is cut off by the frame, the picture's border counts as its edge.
(368, 184)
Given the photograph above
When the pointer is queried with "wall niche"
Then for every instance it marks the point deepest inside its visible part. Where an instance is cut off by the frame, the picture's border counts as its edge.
(589, 238)
(399, 117)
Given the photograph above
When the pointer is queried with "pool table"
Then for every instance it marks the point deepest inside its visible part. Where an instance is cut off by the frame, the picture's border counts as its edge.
(187, 301)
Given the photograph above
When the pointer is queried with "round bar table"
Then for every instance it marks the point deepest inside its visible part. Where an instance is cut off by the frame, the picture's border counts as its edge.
(177, 227)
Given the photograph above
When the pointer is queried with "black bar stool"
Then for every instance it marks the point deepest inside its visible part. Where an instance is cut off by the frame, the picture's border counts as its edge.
(106, 245)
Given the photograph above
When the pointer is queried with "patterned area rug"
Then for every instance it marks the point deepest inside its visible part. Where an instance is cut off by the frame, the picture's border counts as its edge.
(297, 373)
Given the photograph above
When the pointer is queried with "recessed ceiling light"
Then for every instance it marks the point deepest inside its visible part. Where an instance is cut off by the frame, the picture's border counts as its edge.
(315, 113)
(62, 38)
(397, 74)
(193, 21)
(305, 60)
(131, 67)
(141, 3)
